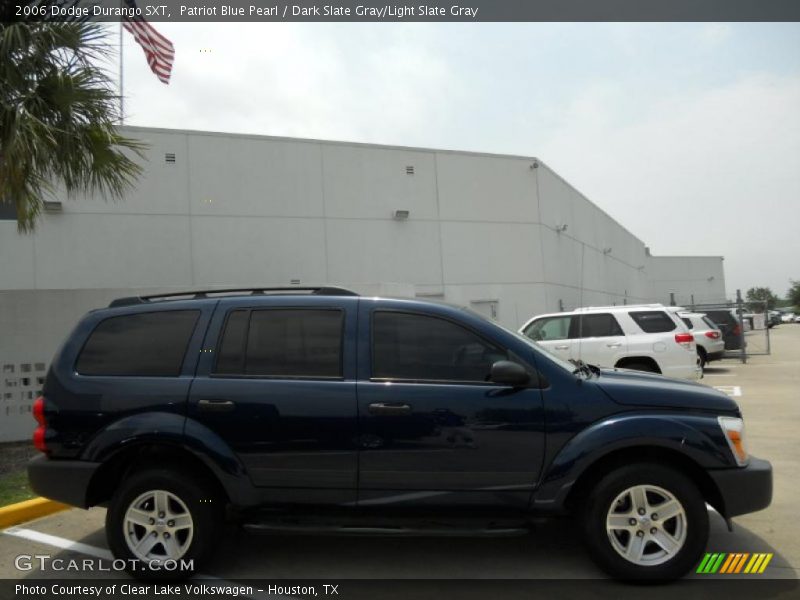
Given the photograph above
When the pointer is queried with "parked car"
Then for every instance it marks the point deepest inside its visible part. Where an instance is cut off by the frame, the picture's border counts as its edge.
(773, 318)
(707, 336)
(643, 337)
(730, 326)
(374, 414)
(788, 318)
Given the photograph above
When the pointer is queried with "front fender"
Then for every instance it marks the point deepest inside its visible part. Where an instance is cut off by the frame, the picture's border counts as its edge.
(697, 437)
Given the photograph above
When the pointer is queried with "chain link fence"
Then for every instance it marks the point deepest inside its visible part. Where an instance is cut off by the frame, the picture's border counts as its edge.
(744, 325)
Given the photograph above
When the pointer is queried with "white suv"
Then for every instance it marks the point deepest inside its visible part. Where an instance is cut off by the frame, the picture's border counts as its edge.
(644, 337)
(707, 336)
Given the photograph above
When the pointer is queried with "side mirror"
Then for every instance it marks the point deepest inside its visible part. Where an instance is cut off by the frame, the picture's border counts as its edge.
(506, 372)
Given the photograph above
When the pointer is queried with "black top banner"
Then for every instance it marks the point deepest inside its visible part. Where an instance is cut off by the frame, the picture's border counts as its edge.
(398, 11)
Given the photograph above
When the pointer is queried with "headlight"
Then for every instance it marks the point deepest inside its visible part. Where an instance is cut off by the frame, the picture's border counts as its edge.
(733, 429)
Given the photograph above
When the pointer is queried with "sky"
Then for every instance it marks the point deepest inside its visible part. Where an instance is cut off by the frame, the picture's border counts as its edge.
(687, 134)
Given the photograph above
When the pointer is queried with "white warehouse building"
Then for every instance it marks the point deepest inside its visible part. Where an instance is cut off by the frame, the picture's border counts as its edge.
(503, 234)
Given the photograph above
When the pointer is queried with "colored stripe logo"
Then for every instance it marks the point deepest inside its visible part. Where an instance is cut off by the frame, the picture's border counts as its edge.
(734, 562)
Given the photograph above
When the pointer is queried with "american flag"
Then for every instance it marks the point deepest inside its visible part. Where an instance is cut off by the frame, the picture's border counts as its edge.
(159, 50)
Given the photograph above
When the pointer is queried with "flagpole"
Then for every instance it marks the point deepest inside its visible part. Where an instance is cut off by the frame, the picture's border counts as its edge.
(121, 80)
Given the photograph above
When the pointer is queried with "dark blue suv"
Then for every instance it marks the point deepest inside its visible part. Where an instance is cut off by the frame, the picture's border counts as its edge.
(331, 410)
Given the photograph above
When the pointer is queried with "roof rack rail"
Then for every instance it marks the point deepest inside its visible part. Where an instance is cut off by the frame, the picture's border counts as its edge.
(650, 305)
(325, 290)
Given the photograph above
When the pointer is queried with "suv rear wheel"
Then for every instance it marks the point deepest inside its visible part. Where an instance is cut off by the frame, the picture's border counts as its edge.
(645, 522)
(702, 356)
(162, 523)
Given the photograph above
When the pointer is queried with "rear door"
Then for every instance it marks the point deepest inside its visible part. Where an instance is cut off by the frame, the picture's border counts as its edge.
(276, 384)
(597, 339)
(552, 334)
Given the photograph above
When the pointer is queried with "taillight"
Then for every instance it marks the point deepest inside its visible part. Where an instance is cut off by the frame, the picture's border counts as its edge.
(40, 434)
(38, 410)
(685, 339)
(737, 330)
(714, 335)
(39, 439)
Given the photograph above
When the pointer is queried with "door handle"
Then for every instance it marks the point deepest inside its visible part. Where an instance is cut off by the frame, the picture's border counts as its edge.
(380, 408)
(614, 344)
(562, 347)
(215, 405)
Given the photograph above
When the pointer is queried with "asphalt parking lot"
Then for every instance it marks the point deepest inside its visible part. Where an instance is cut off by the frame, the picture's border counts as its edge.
(770, 400)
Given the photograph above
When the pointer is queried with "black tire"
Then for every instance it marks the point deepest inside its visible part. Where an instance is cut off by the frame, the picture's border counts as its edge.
(640, 366)
(701, 354)
(599, 541)
(203, 505)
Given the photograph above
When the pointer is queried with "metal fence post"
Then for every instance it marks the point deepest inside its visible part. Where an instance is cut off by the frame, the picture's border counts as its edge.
(672, 298)
(740, 315)
(766, 316)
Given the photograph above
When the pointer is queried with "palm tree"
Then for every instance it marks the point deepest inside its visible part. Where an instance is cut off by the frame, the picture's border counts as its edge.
(58, 110)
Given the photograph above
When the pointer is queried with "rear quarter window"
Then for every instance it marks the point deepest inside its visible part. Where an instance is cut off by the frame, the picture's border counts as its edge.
(653, 321)
(151, 344)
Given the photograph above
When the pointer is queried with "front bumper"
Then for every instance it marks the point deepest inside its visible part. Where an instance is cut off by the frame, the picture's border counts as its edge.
(65, 481)
(744, 489)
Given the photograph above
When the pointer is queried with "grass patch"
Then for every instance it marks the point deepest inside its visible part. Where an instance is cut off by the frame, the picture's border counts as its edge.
(14, 487)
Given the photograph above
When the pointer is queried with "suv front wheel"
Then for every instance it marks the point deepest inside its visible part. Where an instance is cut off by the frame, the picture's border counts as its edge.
(163, 523)
(646, 522)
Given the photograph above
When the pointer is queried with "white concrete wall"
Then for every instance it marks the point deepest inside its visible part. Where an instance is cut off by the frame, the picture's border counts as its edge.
(235, 210)
(698, 278)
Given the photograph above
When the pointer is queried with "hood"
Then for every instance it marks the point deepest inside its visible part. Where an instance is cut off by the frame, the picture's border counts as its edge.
(634, 388)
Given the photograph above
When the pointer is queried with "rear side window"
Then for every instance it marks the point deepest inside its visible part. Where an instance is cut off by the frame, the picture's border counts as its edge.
(415, 347)
(710, 323)
(150, 344)
(282, 343)
(653, 321)
(688, 322)
(588, 326)
(722, 317)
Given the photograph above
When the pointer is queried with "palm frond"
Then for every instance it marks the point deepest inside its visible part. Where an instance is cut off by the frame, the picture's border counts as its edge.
(58, 116)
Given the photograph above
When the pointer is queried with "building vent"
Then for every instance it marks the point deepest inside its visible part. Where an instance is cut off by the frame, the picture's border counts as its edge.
(409, 169)
(169, 157)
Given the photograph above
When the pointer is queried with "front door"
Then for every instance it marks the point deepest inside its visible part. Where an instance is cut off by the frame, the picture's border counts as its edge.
(279, 390)
(432, 429)
(552, 334)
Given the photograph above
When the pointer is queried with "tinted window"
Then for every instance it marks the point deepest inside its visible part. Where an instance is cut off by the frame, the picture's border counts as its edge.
(548, 329)
(722, 317)
(587, 326)
(149, 344)
(282, 343)
(653, 321)
(230, 356)
(423, 348)
(710, 323)
(688, 322)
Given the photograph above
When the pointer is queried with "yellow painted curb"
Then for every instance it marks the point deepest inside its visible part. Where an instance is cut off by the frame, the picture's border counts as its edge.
(34, 508)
